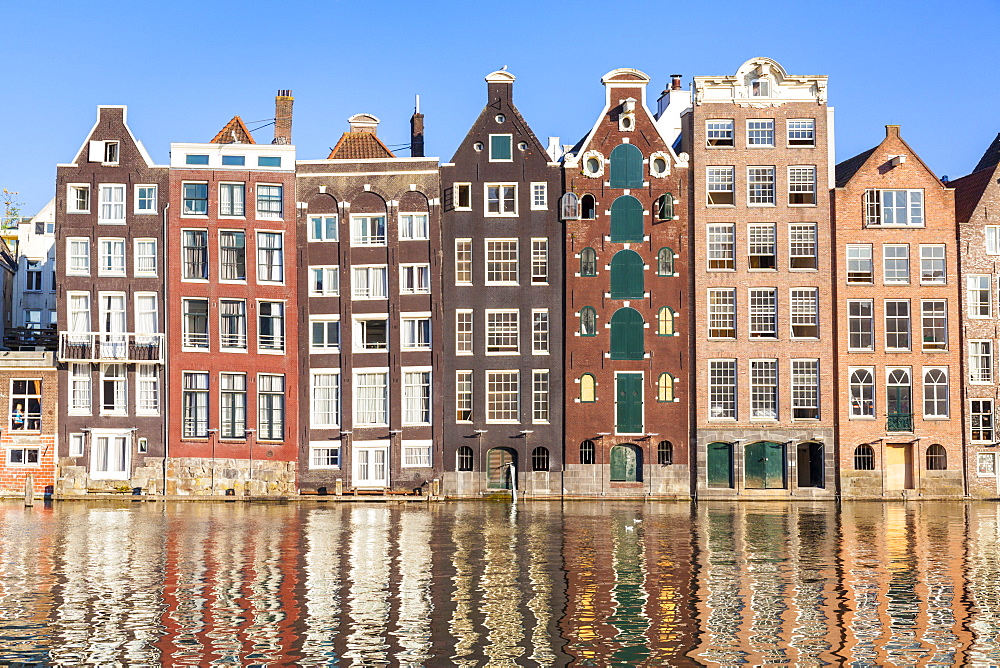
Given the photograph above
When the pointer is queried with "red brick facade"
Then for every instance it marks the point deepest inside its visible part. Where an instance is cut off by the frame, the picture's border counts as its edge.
(28, 429)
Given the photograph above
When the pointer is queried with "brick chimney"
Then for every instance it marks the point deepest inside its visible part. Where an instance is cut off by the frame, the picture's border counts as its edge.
(417, 132)
(283, 117)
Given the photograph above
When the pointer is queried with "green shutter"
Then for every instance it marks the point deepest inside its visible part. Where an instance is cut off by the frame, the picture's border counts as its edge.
(626, 275)
(626, 220)
(626, 167)
(764, 463)
(626, 463)
(626, 335)
(500, 148)
(628, 402)
(720, 465)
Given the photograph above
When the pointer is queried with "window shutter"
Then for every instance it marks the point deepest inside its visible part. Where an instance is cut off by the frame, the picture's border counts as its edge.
(626, 275)
(96, 151)
(626, 167)
(500, 148)
(626, 220)
(626, 335)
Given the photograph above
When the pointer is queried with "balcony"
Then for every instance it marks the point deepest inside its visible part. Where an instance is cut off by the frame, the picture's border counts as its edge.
(899, 422)
(118, 347)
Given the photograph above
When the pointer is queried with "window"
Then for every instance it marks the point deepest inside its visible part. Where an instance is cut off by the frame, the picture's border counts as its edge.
(627, 275)
(232, 198)
(501, 199)
(539, 261)
(147, 321)
(416, 397)
(627, 334)
(194, 250)
(760, 132)
(937, 458)
(540, 396)
(416, 333)
(588, 207)
(761, 246)
(413, 226)
(805, 312)
(588, 321)
(500, 148)
(270, 257)
(801, 186)
(33, 277)
(859, 264)
(802, 246)
(324, 334)
(114, 389)
(195, 325)
(324, 455)
(463, 332)
(587, 452)
(540, 331)
(763, 313)
(370, 282)
(978, 296)
(270, 407)
(588, 262)
(22, 456)
(324, 281)
(801, 132)
(112, 204)
(463, 196)
(932, 265)
(664, 207)
(805, 389)
(145, 257)
(763, 389)
(371, 396)
(271, 326)
(992, 233)
(721, 186)
(719, 132)
(588, 389)
(233, 405)
(269, 201)
(665, 388)
(895, 264)
(502, 332)
(502, 396)
(897, 324)
(78, 256)
(501, 262)
(897, 394)
(77, 198)
(232, 255)
(934, 318)
(414, 279)
(79, 389)
(862, 393)
(861, 325)
(864, 458)
(196, 159)
(147, 389)
(26, 405)
(464, 459)
(269, 161)
(627, 220)
(722, 313)
(76, 442)
(665, 321)
(371, 334)
(539, 196)
(463, 396)
(936, 393)
(721, 246)
(233, 324)
(195, 199)
(417, 455)
(540, 459)
(626, 165)
(324, 228)
(367, 230)
(722, 389)
(894, 207)
(32, 318)
(463, 261)
(234, 160)
(111, 257)
(981, 414)
(664, 453)
(78, 310)
(980, 361)
(665, 262)
(760, 186)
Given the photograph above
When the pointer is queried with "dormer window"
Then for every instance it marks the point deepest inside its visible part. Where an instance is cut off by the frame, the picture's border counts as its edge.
(105, 152)
(760, 88)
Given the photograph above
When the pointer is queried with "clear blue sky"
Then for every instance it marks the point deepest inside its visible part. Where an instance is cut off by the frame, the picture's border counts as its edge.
(185, 68)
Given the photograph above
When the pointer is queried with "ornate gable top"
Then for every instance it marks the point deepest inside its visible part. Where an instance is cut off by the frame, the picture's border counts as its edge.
(235, 132)
(625, 75)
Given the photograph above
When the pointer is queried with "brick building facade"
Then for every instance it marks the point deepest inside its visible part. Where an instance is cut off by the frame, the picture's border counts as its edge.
(29, 397)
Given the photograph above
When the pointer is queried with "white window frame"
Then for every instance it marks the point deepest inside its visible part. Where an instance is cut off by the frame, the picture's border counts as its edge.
(258, 200)
(722, 125)
(405, 342)
(760, 236)
(330, 278)
(540, 331)
(489, 147)
(875, 207)
(991, 235)
(909, 324)
(71, 197)
(992, 423)
(323, 218)
(425, 231)
(924, 315)
(324, 320)
(715, 369)
(81, 388)
(72, 267)
(758, 311)
(721, 312)
(720, 246)
(516, 262)
(138, 256)
(856, 253)
(358, 327)
(425, 400)
(799, 185)
(137, 200)
(120, 407)
(977, 291)
(415, 279)
(763, 375)
(798, 299)
(539, 196)
(314, 423)
(282, 338)
(541, 396)
(502, 211)
(895, 280)
(463, 260)
(515, 328)
(457, 188)
(464, 332)
(77, 442)
(230, 200)
(855, 410)
(494, 376)
(796, 242)
(116, 207)
(113, 242)
(870, 319)
(372, 272)
(357, 399)
(111, 434)
(800, 396)
(935, 280)
(765, 129)
(947, 393)
(981, 361)
(417, 453)
(362, 236)
(720, 175)
(316, 446)
(811, 129)
(147, 389)
(539, 261)
(757, 195)
(280, 266)
(464, 395)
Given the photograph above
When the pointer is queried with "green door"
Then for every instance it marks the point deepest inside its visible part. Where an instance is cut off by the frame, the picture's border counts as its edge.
(626, 167)
(626, 335)
(498, 469)
(764, 464)
(626, 220)
(720, 465)
(626, 463)
(626, 275)
(629, 403)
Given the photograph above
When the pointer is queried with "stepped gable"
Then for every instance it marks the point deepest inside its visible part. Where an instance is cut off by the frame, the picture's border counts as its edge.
(360, 142)
(235, 132)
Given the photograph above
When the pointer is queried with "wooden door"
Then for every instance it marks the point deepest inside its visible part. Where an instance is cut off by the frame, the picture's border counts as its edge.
(764, 463)
(720, 465)
(626, 463)
(898, 466)
(629, 403)
(498, 468)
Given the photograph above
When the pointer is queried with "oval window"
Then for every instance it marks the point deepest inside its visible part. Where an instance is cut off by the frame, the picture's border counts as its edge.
(501, 118)
(523, 146)
(478, 146)
(659, 165)
(627, 122)
(593, 166)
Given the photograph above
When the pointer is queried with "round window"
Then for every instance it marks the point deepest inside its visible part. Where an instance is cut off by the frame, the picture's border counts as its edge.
(593, 166)
(501, 118)
(523, 146)
(627, 122)
(478, 146)
(659, 165)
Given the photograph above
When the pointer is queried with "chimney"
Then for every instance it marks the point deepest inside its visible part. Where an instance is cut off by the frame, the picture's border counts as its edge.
(283, 117)
(892, 131)
(417, 131)
(500, 85)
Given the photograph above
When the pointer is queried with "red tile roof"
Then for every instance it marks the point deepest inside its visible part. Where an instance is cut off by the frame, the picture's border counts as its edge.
(968, 191)
(235, 132)
(359, 146)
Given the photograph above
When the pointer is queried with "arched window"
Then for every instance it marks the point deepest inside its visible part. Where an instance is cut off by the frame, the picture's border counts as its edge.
(587, 452)
(864, 458)
(626, 463)
(464, 458)
(665, 262)
(665, 387)
(627, 280)
(588, 321)
(862, 393)
(626, 335)
(569, 207)
(665, 453)
(588, 262)
(665, 207)
(588, 207)
(898, 409)
(935, 393)
(665, 321)
(937, 458)
(540, 459)
(626, 166)
(588, 389)
(626, 220)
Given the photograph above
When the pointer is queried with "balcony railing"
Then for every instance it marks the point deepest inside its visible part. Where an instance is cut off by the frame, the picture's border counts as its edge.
(117, 347)
(30, 338)
(899, 422)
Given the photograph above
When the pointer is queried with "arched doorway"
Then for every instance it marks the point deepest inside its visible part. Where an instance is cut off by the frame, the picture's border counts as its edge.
(809, 462)
(626, 463)
(499, 464)
(764, 465)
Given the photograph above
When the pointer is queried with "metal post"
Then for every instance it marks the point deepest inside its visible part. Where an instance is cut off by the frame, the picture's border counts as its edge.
(512, 469)
(248, 434)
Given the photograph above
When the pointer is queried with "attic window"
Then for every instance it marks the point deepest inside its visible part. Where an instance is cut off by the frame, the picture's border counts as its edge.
(523, 145)
(196, 159)
(111, 152)
(105, 152)
(760, 88)
(234, 160)
(501, 118)
(478, 146)
(269, 161)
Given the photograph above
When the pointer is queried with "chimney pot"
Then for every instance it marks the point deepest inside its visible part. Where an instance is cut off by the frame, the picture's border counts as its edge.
(675, 82)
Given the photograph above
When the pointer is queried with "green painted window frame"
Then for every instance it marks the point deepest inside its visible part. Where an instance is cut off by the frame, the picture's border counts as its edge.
(501, 148)
(659, 322)
(593, 385)
(665, 390)
(665, 261)
(583, 254)
(665, 207)
(588, 310)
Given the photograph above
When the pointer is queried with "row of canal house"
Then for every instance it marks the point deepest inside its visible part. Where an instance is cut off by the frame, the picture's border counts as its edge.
(695, 300)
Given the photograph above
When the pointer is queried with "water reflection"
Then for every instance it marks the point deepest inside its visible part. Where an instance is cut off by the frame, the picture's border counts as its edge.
(482, 584)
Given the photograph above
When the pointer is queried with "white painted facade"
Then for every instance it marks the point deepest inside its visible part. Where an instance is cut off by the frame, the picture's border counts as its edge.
(34, 298)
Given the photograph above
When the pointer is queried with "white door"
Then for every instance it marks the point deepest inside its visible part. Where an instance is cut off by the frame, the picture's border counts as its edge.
(110, 456)
(371, 466)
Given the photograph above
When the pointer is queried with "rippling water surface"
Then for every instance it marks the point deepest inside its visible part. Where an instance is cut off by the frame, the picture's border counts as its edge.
(483, 584)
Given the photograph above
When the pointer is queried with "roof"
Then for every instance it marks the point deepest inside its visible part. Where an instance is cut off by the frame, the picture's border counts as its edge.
(846, 170)
(235, 132)
(968, 191)
(991, 157)
(359, 146)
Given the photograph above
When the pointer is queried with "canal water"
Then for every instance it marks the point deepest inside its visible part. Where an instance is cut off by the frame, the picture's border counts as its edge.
(583, 583)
